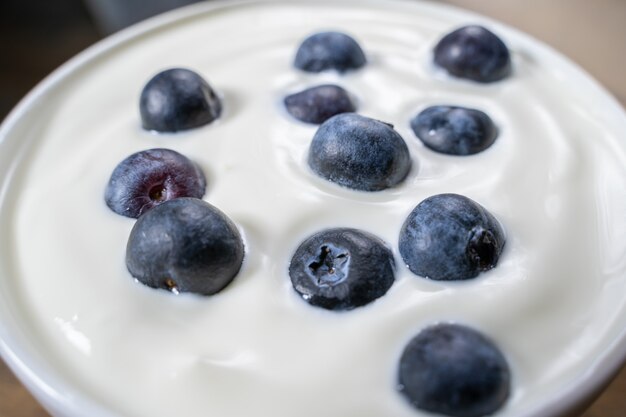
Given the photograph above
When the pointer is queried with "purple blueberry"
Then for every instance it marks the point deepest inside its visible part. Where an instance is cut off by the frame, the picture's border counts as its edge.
(317, 104)
(454, 130)
(359, 153)
(178, 99)
(329, 51)
(341, 269)
(450, 237)
(185, 245)
(455, 371)
(148, 178)
(474, 53)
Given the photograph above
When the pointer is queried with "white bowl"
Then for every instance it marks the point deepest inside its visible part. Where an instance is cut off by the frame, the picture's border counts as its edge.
(22, 348)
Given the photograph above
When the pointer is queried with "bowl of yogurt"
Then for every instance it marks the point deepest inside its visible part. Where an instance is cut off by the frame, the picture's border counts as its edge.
(87, 339)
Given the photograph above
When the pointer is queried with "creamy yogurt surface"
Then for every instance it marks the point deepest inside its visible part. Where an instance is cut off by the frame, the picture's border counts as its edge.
(554, 178)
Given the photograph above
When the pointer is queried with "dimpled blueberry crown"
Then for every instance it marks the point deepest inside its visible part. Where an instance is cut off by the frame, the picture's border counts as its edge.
(341, 269)
(183, 244)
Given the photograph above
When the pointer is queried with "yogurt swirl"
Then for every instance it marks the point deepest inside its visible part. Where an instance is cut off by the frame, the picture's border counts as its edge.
(554, 178)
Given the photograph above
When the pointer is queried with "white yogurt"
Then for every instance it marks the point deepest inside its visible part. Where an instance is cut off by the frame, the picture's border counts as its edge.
(554, 178)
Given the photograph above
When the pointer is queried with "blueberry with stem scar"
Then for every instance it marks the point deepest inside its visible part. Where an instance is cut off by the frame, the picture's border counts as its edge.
(450, 237)
(148, 178)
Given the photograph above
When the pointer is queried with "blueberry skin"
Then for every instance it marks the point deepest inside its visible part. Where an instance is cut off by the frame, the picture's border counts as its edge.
(359, 153)
(185, 245)
(474, 53)
(329, 51)
(318, 104)
(148, 178)
(341, 269)
(178, 99)
(454, 370)
(450, 237)
(454, 130)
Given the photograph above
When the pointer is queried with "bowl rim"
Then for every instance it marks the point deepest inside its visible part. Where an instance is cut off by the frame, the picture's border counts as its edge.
(61, 398)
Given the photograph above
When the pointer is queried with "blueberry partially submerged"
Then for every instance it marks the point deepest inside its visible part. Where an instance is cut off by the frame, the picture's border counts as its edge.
(450, 237)
(178, 99)
(341, 269)
(148, 178)
(454, 130)
(329, 51)
(185, 245)
(474, 53)
(359, 153)
(454, 370)
(317, 104)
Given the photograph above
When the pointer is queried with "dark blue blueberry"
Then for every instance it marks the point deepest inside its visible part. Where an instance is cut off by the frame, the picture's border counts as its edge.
(450, 237)
(329, 51)
(178, 99)
(454, 370)
(454, 130)
(148, 178)
(185, 245)
(317, 104)
(359, 153)
(341, 269)
(474, 53)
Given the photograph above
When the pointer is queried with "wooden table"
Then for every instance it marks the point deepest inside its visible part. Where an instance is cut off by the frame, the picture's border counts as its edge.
(15, 401)
(591, 33)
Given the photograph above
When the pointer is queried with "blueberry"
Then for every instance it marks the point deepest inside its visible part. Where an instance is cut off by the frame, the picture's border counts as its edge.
(454, 130)
(329, 51)
(185, 245)
(317, 104)
(450, 237)
(359, 153)
(454, 370)
(178, 99)
(148, 178)
(341, 269)
(475, 53)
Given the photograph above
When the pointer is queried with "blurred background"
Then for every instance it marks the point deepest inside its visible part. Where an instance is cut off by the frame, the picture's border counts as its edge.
(36, 36)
